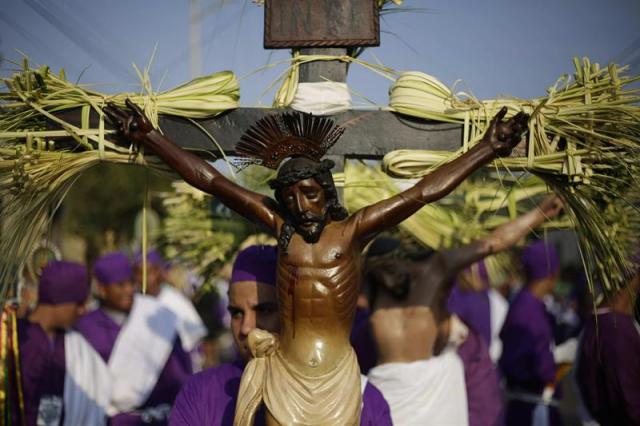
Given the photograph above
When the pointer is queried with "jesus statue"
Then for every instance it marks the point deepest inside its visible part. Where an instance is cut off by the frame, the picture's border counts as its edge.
(309, 373)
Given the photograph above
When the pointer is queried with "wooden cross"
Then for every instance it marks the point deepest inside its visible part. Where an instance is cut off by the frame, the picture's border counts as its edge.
(303, 23)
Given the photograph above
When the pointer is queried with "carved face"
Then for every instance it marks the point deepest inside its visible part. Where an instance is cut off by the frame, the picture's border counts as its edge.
(306, 203)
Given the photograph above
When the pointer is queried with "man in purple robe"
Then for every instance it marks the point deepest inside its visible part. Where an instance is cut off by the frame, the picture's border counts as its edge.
(608, 368)
(527, 361)
(52, 359)
(471, 300)
(209, 397)
(480, 306)
(137, 336)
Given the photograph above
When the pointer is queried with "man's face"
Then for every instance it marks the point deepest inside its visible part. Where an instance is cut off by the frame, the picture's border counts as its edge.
(306, 203)
(117, 296)
(66, 314)
(155, 277)
(252, 305)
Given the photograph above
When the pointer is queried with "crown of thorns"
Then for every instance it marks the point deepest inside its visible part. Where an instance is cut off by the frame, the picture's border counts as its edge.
(276, 137)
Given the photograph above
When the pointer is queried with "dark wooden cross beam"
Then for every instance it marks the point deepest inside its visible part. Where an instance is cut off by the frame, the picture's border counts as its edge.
(369, 134)
(324, 27)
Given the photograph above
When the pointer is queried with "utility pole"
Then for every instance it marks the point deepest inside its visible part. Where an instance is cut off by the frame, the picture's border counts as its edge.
(195, 39)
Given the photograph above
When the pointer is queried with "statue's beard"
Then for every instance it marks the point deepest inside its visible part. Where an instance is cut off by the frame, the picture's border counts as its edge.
(310, 226)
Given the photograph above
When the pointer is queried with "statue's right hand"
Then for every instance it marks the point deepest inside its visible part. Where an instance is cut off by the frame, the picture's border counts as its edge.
(131, 123)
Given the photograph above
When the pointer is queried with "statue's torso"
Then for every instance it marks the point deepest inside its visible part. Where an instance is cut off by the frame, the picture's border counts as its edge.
(318, 286)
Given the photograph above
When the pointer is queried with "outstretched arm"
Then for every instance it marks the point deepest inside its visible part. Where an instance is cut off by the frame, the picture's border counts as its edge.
(135, 126)
(502, 238)
(498, 141)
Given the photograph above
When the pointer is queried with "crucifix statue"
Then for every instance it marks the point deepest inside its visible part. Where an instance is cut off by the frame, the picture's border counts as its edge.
(309, 373)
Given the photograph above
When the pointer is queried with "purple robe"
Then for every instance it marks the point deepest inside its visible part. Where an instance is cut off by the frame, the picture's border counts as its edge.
(473, 308)
(209, 398)
(362, 341)
(527, 361)
(101, 332)
(42, 365)
(608, 371)
(483, 392)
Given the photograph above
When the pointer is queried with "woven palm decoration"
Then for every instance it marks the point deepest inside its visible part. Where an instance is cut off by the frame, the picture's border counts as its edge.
(279, 136)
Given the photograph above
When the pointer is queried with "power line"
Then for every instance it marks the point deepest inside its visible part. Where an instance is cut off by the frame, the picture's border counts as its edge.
(28, 36)
(75, 31)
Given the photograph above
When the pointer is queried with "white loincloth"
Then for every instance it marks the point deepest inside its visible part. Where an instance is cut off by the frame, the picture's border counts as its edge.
(87, 384)
(191, 329)
(499, 307)
(140, 353)
(423, 393)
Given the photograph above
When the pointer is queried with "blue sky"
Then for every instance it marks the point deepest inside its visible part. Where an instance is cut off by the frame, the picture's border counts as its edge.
(496, 47)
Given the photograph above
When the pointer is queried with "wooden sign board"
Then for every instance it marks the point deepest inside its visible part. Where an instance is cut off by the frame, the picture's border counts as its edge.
(321, 23)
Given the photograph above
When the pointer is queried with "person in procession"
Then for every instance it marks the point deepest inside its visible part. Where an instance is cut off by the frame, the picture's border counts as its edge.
(209, 398)
(137, 336)
(54, 376)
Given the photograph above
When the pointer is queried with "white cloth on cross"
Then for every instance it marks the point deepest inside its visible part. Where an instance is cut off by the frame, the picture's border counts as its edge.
(322, 98)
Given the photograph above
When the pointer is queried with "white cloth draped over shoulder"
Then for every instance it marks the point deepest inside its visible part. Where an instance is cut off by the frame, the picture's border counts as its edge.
(87, 383)
(499, 306)
(140, 353)
(190, 327)
(429, 392)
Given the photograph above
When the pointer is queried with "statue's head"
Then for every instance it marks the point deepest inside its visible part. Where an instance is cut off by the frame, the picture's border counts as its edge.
(306, 191)
(304, 186)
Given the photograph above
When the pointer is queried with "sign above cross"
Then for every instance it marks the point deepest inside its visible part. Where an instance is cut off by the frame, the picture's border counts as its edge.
(321, 23)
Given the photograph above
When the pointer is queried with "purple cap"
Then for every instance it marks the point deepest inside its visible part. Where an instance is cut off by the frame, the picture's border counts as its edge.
(255, 263)
(153, 257)
(63, 282)
(113, 268)
(539, 260)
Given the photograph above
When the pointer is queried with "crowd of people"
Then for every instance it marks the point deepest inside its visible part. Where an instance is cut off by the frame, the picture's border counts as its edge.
(437, 340)
(425, 335)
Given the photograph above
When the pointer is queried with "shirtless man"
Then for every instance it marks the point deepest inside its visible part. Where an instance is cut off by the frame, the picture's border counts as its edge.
(318, 278)
(410, 323)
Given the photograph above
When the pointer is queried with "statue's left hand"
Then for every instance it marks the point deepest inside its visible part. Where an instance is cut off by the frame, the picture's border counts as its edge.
(131, 123)
(503, 136)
